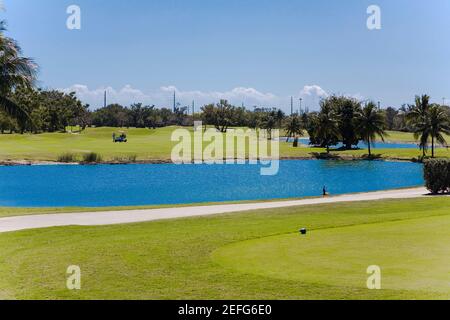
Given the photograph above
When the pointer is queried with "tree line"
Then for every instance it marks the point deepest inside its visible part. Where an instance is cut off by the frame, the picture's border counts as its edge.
(23, 108)
(346, 121)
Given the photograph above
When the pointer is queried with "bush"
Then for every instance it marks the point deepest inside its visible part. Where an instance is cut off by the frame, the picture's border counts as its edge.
(126, 159)
(437, 175)
(67, 158)
(92, 157)
(132, 158)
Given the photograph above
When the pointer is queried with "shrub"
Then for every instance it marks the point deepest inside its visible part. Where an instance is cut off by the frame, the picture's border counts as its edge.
(92, 157)
(132, 158)
(437, 175)
(67, 158)
(126, 159)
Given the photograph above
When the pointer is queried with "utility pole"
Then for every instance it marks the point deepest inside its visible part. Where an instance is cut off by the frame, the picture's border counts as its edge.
(193, 108)
(292, 106)
(174, 100)
(104, 100)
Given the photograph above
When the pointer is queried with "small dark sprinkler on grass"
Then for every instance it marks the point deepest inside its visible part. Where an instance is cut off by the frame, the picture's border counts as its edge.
(303, 231)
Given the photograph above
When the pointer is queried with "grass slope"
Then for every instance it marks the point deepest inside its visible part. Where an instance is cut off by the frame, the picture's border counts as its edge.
(413, 254)
(177, 259)
(148, 145)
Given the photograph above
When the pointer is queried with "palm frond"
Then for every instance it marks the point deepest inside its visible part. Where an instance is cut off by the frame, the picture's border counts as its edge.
(441, 140)
(16, 71)
(13, 110)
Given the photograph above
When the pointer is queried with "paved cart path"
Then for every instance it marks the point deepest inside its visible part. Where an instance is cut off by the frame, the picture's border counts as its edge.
(130, 216)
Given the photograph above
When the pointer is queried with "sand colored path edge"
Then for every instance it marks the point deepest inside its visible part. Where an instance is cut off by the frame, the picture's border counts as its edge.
(18, 223)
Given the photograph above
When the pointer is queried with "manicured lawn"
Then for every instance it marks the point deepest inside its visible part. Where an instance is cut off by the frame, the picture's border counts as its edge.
(252, 255)
(287, 151)
(145, 143)
(148, 144)
(335, 255)
(399, 136)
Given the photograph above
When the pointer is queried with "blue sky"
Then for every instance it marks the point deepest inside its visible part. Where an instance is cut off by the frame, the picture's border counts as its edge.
(250, 51)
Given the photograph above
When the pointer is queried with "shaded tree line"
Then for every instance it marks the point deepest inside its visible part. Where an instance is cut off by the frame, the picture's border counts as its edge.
(224, 115)
(46, 111)
(343, 120)
(429, 122)
(340, 119)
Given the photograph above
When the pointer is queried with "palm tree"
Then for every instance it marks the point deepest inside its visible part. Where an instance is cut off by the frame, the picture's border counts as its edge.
(279, 117)
(418, 119)
(326, 126)
(370, 122)
(293, 127)
(15, 71)
(438, 124)
(269, 123)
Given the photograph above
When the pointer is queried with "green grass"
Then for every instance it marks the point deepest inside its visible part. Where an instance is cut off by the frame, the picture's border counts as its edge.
(150, 145)
(341, 256)
(145, 143)
(191, 258)
(288, 151)
(399, 136)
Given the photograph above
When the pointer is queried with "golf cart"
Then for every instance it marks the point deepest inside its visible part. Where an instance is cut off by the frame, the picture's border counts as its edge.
(121, 138)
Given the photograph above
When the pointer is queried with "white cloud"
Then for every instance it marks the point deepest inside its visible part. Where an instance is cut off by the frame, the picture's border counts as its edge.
(163, 97)
(311, 96)
(94, 97)
(313, 91)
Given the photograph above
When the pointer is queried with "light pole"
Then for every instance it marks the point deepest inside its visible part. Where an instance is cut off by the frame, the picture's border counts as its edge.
(292, 106)
(174, 100)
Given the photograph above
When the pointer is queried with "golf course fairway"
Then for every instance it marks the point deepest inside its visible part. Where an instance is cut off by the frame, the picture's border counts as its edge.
(412, 254)
(248, 255)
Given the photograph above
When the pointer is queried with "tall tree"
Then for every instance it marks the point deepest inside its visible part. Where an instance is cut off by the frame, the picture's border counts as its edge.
(345, 110)
(6, 123)
(391, 115)
(221, 115)
(293, 127)
(280, 116)
(15, 71)
(438, 124)
(325, 126)
(370, 123)
(418, 119)
(269, 122)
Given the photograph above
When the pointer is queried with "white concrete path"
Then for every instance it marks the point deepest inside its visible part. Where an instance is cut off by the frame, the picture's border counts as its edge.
(130, 216)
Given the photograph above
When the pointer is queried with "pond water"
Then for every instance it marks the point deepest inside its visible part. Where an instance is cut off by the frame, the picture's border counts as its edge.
(375, 145)
(142, 184)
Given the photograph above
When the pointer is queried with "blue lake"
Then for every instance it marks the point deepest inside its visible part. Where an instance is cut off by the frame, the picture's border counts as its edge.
(375, 145)
(126, 185)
